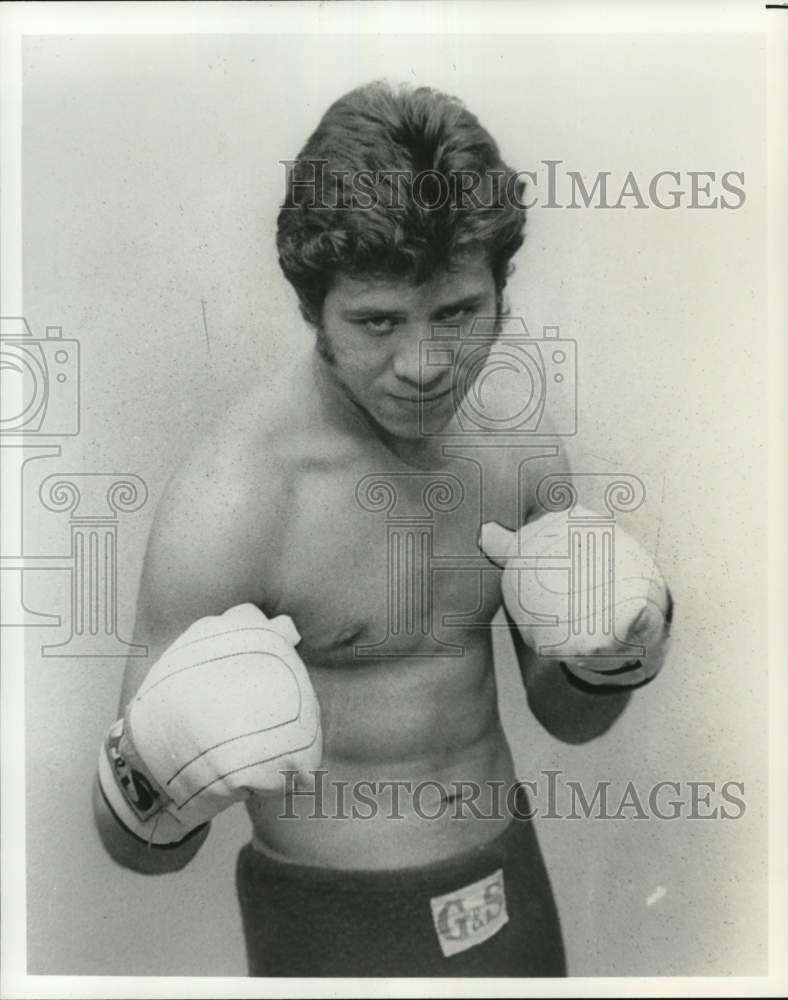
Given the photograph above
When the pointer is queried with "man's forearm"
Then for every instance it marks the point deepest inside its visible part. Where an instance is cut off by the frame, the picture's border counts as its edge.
(564, 706)
(132, 852)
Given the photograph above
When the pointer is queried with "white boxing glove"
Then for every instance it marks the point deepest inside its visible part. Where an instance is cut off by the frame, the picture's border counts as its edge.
(596, 602)
(227, 708)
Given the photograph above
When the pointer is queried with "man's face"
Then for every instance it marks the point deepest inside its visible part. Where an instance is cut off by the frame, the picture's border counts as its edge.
(374, 327)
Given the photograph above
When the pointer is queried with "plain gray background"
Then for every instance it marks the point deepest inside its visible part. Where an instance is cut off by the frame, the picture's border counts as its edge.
(151, 184)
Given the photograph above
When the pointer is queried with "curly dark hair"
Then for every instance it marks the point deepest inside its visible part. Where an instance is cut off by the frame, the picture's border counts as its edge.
(395, 181)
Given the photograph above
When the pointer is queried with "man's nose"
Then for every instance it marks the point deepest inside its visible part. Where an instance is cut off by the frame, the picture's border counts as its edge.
(409, 364)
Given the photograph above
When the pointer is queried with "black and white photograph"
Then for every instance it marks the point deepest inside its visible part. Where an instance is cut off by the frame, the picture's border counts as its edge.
(393, 440)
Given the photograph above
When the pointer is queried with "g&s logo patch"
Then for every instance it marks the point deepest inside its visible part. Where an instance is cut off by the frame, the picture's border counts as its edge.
(470, 915)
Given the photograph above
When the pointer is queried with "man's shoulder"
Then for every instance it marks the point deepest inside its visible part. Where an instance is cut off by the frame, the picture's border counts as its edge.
(214, 540)
(219, 527)
(235, 461)
(261, 445)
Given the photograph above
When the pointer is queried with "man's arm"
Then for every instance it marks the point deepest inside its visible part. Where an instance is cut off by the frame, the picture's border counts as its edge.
(121, 844)
(199, 561)
(131, 852)
(568, 710)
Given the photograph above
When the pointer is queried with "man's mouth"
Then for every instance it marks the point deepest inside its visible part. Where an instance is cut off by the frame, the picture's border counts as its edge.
(422, 398)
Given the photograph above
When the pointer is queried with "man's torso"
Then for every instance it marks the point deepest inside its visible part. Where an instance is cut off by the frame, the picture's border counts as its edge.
(376, 561)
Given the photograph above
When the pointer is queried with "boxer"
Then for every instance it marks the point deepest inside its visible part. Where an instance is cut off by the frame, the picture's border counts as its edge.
(277, 676)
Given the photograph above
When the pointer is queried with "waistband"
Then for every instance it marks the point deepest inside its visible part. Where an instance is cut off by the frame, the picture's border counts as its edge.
(475, 862)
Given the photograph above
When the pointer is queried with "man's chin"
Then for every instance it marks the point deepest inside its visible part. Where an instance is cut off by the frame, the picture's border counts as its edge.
(416, 426)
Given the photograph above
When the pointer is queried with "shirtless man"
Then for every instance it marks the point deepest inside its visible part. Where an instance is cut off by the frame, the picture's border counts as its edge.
(273, 525)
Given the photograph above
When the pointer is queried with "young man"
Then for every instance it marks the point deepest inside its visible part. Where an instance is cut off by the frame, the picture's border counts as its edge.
(316, 605)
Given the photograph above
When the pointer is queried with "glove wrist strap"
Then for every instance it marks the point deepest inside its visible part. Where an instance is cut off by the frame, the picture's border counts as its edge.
(133, 794)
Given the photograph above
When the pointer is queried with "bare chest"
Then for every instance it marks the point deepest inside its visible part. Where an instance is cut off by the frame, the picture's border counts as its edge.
(380, 565)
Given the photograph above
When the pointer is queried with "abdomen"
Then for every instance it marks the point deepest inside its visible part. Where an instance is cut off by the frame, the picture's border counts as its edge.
(405, 740)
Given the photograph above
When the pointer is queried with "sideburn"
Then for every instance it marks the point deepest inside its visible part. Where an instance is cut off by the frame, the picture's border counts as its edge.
(323, 346)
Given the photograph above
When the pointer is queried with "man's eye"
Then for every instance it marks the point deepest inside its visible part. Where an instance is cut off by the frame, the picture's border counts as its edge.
(455, 315)
(379, 325)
